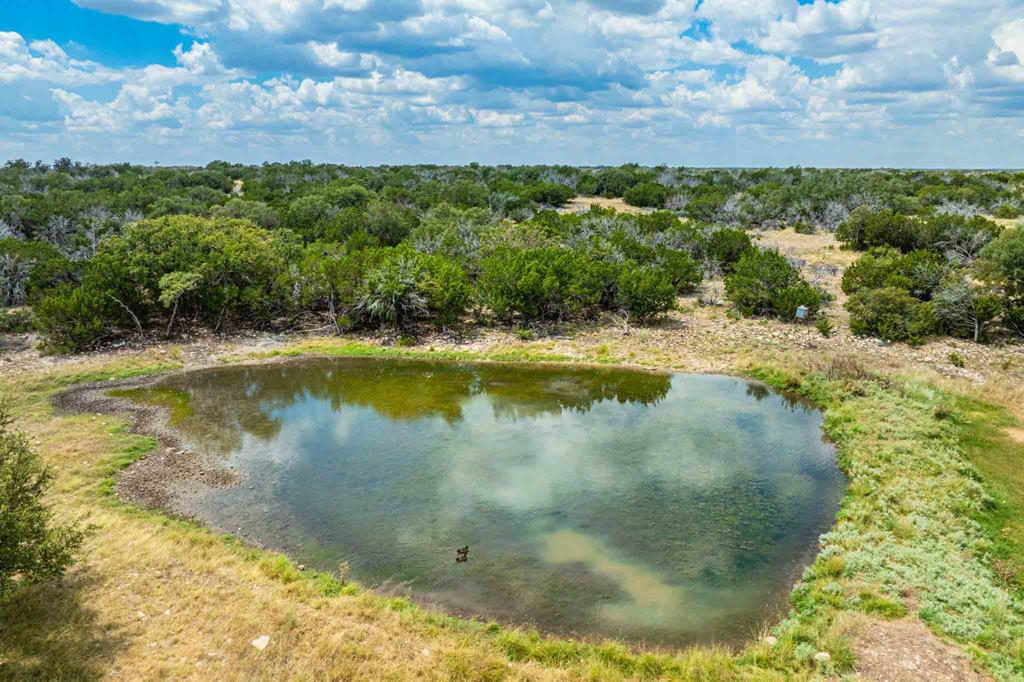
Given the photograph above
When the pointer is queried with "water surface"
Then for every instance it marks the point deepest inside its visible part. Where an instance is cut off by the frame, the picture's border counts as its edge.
(663, 509)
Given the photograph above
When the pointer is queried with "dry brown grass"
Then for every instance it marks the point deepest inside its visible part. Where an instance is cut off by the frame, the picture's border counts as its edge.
(583, 204)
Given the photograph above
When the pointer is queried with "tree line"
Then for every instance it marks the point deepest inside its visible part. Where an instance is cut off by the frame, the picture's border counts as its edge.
(98, 252)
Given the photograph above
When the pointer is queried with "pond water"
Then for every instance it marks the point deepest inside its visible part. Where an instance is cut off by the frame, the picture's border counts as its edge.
(655, 508)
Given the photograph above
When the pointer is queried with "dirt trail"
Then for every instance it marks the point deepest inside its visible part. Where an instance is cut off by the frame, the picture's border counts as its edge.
(907, 651)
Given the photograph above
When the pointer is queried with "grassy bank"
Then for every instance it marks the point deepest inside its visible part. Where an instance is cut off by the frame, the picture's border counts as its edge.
(929, 530)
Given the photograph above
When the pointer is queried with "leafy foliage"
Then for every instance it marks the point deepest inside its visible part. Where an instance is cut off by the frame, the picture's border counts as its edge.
(32, 547)
(541, 284)
(764, 283)
(892, 314)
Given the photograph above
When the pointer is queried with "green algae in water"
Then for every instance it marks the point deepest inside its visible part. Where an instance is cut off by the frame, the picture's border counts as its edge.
(176, 402)
(662, 509)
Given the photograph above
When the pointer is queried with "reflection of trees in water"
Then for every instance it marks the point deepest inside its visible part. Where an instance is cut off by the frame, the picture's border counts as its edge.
(517, 393)
(227, 403)
(791, 400)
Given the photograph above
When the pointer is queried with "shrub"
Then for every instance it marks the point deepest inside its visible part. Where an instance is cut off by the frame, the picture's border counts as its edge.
(341, 195)
(919, 272)
(446, 288)
(764, 283)
(1013, 319)
(16, 321)
(549, 193)
(388, 223)
(966, 308)
(1007, 211)
(255, 212)
(680, 269)
(866, 228)
(391, 293)
(725, 246)
(1003, 262)
(240, 272)
(32, 548)
(649, 194)
(705, 206)
(175, 205)
(824, 326)
(959, 237)
(891, 314)
(542, 283)
(28, 268)
(644, 292)
(309, 217)
(73, 318)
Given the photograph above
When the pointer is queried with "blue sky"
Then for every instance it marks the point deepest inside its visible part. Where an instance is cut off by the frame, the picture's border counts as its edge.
(716, 82)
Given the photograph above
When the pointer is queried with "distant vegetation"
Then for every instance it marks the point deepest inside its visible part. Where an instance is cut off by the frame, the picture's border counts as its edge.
(99, 252)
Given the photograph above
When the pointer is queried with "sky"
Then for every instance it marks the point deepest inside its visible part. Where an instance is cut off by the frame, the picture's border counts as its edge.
(908, 83)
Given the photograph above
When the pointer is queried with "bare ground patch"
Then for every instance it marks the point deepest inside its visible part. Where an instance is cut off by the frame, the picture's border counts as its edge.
(907, 651)
(583, 204)
(152, 481)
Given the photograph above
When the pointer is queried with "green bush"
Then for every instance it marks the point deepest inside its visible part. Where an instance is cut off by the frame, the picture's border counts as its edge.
(388, 223)
(343, 195)
(726, 245)
(965, 307)
(310, 216)
(29, 268)
(1007, 211)
(866, 228)
(255, 212)
(644, 292)
(705, 206)
(240, 272)
(953, 234)
(16, 321)
(763, 283)
(541, 283)
(1003, 263)
(32, 548)
(824, 326)
(919, 272)
(648, 194)
(446, 288)
(72, 318)
(891, 314)
(549, 193)
(680, 269)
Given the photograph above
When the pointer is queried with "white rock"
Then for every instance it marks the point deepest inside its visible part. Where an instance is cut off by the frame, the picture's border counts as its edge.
(823, 656)
(426, 652)
(261, 642)
(771, 640)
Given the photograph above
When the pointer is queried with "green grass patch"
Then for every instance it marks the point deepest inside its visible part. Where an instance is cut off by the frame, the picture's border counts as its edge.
(999, 459)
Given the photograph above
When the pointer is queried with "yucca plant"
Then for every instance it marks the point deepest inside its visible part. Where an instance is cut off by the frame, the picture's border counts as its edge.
(391, 294)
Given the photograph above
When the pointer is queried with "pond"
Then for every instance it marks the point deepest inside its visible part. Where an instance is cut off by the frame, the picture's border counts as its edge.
(654, 508)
